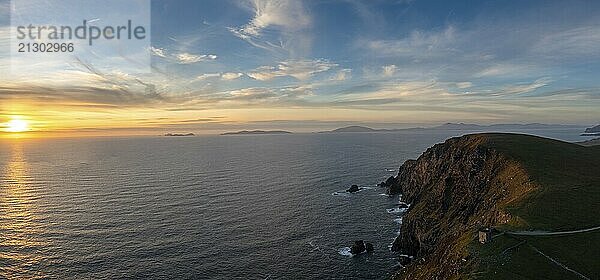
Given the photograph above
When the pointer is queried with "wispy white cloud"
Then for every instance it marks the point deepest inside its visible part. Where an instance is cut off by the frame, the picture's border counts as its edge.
(231, 76)
(506, 69)
(342, 75)
(288, 17)
(252, 93)
(388, 70)
(417, 44)
(487, 50)
(270, 95)
(299, 69)
(228, 76)
(158, 52)
(287, 14)
(208, 76)
(464, 85)
(296, 91)
(423, 90)
(188, 58)
(524, 88)
(578, 41)
(181, 57)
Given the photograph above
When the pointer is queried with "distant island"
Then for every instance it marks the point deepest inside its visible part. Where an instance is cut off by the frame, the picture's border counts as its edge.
(506, 126)
(355, 128)
(592, 131)
(257, 132)
(179, 134)
(364, 129)
(459, 126)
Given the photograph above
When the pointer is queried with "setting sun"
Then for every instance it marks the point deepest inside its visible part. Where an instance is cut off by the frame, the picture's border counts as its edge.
(17, 125)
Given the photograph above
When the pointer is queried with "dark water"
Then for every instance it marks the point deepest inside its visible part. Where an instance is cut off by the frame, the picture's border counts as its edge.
(236, 207)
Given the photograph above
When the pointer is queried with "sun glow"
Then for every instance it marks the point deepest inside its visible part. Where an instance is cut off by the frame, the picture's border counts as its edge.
(17, 125)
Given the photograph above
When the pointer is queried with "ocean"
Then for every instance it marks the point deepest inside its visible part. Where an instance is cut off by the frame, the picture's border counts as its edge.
(206, 207)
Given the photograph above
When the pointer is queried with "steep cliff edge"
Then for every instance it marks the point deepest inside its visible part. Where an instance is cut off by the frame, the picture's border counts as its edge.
(505, 181)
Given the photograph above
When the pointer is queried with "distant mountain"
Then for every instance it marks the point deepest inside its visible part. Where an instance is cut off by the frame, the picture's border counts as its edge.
(179, 134)
(465, 126)
(457, 126)
(356, 128)
(256, 132)
(592, 131)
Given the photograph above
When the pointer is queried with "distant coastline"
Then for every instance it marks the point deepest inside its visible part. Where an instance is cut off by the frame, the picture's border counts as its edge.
(595, 131)
(257, 132)
(179, 134)
(455, 126)
(592, 131)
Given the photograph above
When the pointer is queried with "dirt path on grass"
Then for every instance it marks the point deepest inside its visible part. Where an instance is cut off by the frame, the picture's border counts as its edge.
(559, 264)
(547, 233)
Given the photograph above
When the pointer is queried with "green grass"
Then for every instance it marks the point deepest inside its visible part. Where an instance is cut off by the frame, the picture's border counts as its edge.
(569, 179)
(568, 198)
(578, 252)
(519, 263)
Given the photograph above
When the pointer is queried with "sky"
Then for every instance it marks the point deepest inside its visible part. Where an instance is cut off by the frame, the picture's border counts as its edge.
(312, 65)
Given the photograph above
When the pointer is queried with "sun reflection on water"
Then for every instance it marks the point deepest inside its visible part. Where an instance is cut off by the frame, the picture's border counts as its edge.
(20, 245)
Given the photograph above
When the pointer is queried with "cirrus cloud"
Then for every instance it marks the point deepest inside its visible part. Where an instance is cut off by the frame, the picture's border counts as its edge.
(288, 17)
(299, 69)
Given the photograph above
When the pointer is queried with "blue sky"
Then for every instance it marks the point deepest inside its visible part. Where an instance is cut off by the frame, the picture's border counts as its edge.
(303, 65)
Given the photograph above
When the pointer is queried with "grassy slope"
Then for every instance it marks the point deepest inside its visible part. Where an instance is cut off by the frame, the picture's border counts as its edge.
(569, 176)
(568, 198)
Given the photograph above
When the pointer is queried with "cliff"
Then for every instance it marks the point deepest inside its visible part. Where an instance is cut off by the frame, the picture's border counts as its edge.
(488, 180)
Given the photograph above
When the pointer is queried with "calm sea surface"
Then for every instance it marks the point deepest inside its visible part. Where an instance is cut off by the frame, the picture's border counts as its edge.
(214, 207)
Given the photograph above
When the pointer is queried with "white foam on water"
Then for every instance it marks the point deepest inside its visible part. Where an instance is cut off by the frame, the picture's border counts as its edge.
(403, 204)
(340, 193)
(398, 220)
(345, 251)
(396, 210)
(345, 193)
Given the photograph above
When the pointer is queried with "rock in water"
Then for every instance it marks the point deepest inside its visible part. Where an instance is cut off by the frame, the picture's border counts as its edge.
(353, 188)
(388, 183)
(369, 247)
(358, 247)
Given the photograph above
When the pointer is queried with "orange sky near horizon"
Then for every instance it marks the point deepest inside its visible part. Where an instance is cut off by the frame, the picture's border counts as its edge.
(72, 119)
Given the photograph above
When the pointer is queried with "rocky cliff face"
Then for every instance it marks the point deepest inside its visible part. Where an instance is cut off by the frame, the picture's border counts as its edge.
(453, 189)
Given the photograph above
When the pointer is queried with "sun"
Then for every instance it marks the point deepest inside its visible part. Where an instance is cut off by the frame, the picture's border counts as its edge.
(17, 125)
